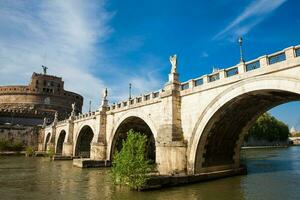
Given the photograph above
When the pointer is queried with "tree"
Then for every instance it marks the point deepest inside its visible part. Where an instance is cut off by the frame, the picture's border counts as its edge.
(130, 165)
(268, 128)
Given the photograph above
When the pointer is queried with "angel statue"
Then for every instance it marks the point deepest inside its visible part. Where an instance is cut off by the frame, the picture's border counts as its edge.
(105, 93)
(104, 98)
(44, 69)
(56, 116)
(173, 61)
(44, 122)
(73, 107)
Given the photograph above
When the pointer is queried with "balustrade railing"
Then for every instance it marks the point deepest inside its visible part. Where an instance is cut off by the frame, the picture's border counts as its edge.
(277, 58)
(264, 61)
(298, 52)
(232, 71)
(253, 65)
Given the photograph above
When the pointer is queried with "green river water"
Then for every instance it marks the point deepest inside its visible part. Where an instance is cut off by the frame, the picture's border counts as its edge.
(272, 174)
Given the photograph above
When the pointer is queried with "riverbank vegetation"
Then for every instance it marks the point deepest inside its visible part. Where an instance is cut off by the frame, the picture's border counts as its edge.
(51, 152)
(268, 128)
(131, 166)
(7, 145)
(30, 151)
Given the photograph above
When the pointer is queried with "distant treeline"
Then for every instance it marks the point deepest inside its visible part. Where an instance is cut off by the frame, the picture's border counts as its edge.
(268, 128)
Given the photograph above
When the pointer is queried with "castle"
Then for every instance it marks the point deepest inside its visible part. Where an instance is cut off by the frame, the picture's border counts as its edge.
(23, 107)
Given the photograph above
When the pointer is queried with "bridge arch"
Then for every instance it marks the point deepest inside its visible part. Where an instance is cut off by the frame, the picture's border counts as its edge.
(139, 123)
(60, 142)
(219, 132)
(83, 142)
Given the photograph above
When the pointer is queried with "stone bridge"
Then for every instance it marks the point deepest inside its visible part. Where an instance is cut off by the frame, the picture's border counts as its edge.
(192, 127)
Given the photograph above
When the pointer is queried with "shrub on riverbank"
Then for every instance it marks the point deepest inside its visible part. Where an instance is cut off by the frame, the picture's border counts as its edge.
(51, 152)
(30, 151)
(268, 128)
(6, 145)
(130, 165)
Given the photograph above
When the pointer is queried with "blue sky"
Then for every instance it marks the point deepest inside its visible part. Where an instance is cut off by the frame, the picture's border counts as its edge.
(109, 43)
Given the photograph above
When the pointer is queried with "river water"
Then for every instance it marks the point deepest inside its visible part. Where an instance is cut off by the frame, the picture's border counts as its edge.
(272, 174)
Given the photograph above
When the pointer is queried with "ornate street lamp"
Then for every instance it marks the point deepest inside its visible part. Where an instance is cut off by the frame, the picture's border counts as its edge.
(129, 91)
(240, 41)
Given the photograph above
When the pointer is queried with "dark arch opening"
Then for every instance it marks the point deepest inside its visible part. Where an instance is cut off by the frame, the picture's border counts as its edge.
(60, 142)
(221, 134)
(47, 140)
(84, 140)
(138, 125)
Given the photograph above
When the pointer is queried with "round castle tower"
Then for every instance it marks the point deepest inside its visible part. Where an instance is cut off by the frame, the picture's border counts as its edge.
(44, 96)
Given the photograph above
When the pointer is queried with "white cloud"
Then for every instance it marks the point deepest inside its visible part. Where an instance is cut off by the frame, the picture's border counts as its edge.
(69, 37)
(67, 32)
(252, 15)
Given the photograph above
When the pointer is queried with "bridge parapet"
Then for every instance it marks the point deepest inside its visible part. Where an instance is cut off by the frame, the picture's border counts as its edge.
(62, 122)
(240, 69)
(261, 62)
(141, 100)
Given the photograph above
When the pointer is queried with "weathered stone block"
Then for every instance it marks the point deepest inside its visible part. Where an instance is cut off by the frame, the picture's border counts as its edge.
(171, 158)
(67, 149)
(98, 151)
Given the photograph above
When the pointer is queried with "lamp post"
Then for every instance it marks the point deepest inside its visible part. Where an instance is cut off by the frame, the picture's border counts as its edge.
(240, 41)
(129, 91)
(90, 106)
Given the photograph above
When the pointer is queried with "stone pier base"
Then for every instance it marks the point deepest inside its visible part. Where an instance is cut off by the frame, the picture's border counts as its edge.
(158, 182)
(67, 149)
(98, 151)
(88, 163)
(60, 157)
(171, 158)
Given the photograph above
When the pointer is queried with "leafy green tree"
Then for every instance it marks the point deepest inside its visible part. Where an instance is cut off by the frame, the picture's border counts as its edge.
(130, 165)
(268, 128)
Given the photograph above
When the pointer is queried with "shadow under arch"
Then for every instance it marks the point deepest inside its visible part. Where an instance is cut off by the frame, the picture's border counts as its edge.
(220, 132)
(138, 125)
(60, 142)
(47, 140)
(83, 142)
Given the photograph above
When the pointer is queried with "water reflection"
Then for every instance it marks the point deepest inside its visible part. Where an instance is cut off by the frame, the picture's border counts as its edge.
(273, 174)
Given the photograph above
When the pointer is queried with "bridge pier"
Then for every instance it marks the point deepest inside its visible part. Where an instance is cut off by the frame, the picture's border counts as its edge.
(98, 151)
(170, 146)
(171, 157)
(50, 146)
(67, 149)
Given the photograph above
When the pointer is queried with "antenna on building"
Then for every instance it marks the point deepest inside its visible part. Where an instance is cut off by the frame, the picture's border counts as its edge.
(240, 41)
(130, 90)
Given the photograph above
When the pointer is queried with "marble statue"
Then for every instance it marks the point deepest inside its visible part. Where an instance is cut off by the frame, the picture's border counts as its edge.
(173, 61)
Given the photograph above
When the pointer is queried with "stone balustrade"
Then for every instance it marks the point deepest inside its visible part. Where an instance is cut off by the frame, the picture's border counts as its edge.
(261, 62)
(219, 75)
(135, 101)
